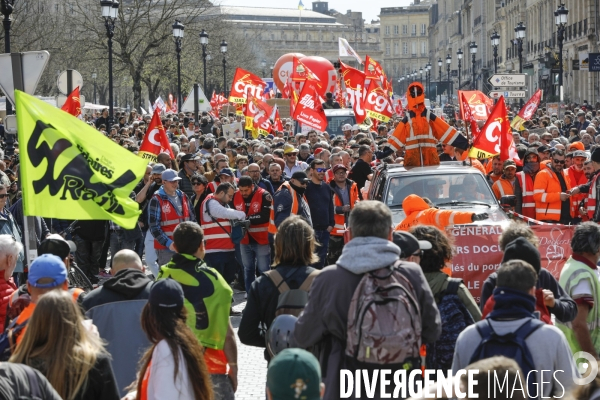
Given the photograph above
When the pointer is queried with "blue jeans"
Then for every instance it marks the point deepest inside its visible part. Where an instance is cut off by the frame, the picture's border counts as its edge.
(254, 254)
(118, 242)
(323, 239)
(224, 262)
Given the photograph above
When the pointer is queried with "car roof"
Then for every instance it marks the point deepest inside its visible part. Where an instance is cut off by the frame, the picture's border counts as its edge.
(453, 167)
(338, 112)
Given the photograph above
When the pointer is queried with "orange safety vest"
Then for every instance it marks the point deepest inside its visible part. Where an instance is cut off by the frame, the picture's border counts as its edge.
(272, 228)
(340, 219)
(169, 218)
(502, 187)
(527, 202)
(592, 200)
(578, 198)
(546, 193)
(258, 232)
(216, 238)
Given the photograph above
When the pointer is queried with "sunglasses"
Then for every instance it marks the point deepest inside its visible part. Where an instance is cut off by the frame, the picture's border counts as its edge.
(3, 195)
(558, 161)
(321, 169)
(197, 183)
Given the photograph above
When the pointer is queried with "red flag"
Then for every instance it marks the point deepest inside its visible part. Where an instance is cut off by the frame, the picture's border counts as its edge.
(528, 110)
(479, 103)
(354, 80)
(73, 103)
(276, 119)
(378, 104)
(468, 116)
(308, 110)
(156, 140)
(245, 83)
(489, 142)
(373, 70)
(300, 74)
(398, 107)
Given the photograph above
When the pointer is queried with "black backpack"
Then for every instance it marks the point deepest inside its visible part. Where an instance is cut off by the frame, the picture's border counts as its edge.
(290, 301)
(455, 318)
(8, 339)
(511, 345)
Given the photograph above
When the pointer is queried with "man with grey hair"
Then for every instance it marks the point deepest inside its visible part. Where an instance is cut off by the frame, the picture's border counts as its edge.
(116, 308)
(579, 277)
(325, 317)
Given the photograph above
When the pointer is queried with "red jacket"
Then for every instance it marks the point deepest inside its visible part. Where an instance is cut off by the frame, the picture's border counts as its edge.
(6, 290)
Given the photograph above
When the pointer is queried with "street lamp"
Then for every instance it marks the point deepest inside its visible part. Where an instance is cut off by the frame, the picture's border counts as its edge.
(272, 67)
(561, 15)
(459, 55)
(520, 35)
(448, 62)
(495, 38)
(6, 7)
(204, 43)
(110, 13)
(224, 51)
(428, 74)
(421, 72)
(473, 50)
(94, 76)
(178, 35)
(263, 64)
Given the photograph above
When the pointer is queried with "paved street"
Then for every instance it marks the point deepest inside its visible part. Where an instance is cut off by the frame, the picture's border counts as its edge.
(251, 362)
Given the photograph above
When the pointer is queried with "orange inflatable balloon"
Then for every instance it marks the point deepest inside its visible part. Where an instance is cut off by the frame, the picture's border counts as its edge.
(283, 68)
(325, 71)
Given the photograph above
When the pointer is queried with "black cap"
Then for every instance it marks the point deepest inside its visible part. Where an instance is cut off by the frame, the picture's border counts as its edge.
(166, 293)
(408, 243)
(521, 249)
(57, 245)
(190, 157)
(300, 176)
(596, 155)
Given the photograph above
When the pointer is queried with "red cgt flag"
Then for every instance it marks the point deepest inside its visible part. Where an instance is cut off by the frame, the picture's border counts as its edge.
(73, 103)
(354, 81)
(245, 83)
(277, 125)
(156, 140)
(378, 104)
(478, 102)
(308, 110)
(373, 70)
(301, 74)
(467, 116)
(494, 135)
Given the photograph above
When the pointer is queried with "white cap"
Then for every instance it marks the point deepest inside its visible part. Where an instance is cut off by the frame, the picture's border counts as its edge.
(355, 127)
(347, 127)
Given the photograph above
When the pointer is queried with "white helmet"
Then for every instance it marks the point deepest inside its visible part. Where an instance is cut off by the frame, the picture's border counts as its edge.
(347, 127)
(355, 127)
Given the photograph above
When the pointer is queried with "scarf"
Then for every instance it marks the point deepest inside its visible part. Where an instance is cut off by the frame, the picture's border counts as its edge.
(512, 304)
(531, 167)
(299, 189)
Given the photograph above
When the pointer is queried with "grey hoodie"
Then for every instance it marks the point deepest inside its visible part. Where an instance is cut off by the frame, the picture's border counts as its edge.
(358, 255)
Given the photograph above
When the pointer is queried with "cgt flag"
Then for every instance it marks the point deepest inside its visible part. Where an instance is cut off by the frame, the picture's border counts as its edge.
(156, 140)
(308, 110)
(490, 141)
(73, 103)
(245, 83)
(70, 170)
(527, 111)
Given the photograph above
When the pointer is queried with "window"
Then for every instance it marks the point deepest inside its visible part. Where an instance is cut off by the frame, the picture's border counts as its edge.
(404, 48)
(414, 48)
(395, 29)
(396, 48)
(387, 30)
(308, 37)
(423, 29)
(413, 31)
(272, 36)
(423, 48)
(387, 49)
(404, 29)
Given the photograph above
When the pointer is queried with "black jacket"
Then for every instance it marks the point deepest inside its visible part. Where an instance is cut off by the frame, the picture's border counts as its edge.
(262, 302)
(15, 383)
(565, 308)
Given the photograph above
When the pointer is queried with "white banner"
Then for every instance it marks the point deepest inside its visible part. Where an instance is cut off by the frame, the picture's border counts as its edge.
(234, 130)
(347, 51)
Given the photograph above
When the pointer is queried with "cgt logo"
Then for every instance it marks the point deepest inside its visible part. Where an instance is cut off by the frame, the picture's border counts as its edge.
(308, 101)
(380, 103)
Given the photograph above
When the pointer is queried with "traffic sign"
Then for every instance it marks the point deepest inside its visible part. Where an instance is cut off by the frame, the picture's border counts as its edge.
(61, 82)
(509, 94)
(34, 63)
(507, 80)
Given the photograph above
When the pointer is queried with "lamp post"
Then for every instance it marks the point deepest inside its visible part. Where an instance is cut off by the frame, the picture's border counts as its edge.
(448, 62)
(272, 67)
(178, 35)
(520, 35)
(94, 76)
(459, 55)
(204, 43)
(224, 52)
(473, 50)
(428, 74)
(421, 72)
(561, 15)
(263, 64)
(6, 7)
(495, 38)
(110, 13)
(440, 62)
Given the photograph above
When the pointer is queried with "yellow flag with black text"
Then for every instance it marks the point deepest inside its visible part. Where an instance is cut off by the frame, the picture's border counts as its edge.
(69, 170)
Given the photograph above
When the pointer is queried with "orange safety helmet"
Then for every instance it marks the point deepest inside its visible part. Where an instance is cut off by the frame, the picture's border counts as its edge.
(415, 94)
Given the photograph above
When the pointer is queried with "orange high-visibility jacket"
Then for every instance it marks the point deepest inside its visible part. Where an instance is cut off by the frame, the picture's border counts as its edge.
(546, 193)
(503, 187)
(419, 213)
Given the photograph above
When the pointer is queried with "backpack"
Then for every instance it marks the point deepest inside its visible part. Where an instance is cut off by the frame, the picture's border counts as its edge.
(384, 323)
(455, 318)
(290, 301)
(511, 345)
(8, 339)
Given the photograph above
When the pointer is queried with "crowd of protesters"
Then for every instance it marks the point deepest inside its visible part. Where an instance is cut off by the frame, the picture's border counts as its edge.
(286, 219)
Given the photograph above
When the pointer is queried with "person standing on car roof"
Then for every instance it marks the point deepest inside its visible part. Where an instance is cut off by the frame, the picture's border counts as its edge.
(419, 212)
(420, 130)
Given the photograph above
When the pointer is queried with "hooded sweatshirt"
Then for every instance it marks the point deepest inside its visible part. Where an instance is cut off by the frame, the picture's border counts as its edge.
(418, 212)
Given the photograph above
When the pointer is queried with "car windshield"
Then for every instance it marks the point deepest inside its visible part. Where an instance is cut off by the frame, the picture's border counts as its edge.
(335, 123)
(440, 189)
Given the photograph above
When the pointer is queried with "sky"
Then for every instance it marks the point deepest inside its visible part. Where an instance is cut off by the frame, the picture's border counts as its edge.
(369, 13)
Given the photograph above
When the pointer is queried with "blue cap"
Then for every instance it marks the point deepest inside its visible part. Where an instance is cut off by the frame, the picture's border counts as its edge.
(170, 175)
(47, 266)
(226, 171)
(269, 136)
(166, 293)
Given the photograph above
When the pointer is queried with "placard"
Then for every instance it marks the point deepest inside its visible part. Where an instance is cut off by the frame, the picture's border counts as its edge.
(234, 130)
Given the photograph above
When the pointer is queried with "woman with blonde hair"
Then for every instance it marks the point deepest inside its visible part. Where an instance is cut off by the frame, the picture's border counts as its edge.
(70, 356)
(294, 253)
